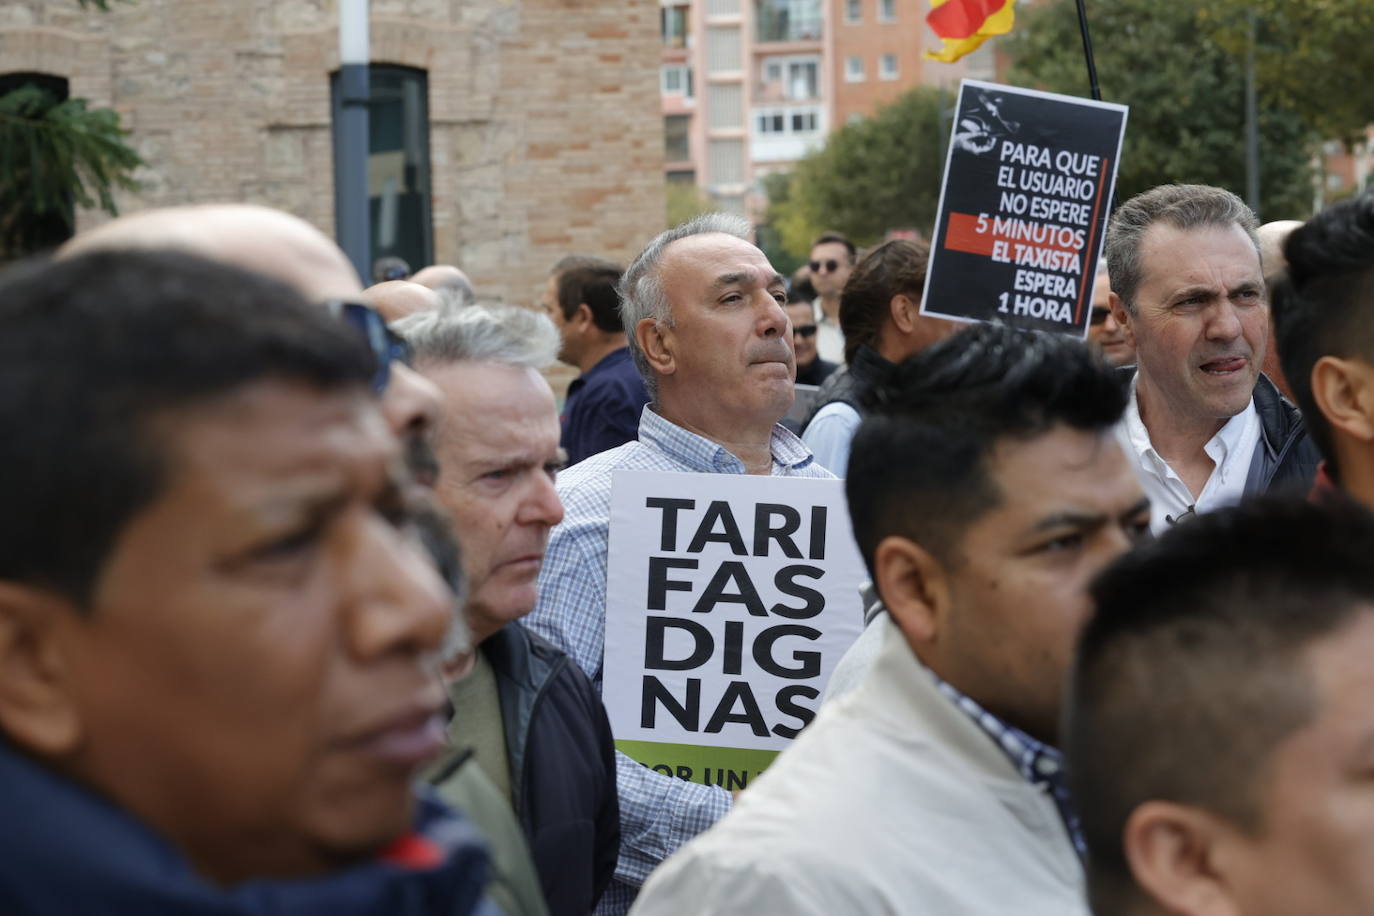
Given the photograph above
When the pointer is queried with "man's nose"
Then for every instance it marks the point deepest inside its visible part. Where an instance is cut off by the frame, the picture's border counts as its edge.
(1224, 321)
(541, 504)
(394, 600)
(410, 403)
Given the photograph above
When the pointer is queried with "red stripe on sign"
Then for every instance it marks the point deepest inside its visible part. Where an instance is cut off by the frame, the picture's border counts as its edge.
(963, 234)
(1087, 280)
(962, 18)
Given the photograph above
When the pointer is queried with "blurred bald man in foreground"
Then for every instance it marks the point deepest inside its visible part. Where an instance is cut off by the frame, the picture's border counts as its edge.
(290, 250)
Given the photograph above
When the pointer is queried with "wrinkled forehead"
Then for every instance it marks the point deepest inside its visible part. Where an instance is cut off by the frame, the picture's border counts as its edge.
(714, 259)
(1166, 248)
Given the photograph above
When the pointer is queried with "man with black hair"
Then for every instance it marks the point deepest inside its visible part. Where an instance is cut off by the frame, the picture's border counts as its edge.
(1219, 728)
(1204, 428)
(880, 312)
(604, 402)
(1324, 317)
(832, 259)
(986, 490)
(219, 632)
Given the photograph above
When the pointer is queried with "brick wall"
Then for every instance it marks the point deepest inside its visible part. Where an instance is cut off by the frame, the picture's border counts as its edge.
(545, 128)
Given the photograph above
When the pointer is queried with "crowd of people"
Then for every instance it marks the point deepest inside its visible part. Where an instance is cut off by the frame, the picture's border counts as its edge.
(303, 585)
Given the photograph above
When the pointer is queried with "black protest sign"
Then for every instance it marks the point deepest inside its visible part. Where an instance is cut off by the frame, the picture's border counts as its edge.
(1024, 207)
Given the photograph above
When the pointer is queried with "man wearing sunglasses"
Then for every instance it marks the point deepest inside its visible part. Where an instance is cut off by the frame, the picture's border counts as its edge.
(811, 369)
(832, 259)
(291, 251)
(1104, 331)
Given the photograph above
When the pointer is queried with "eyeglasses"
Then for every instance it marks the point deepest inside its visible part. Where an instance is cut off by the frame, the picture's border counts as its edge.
(1099, 315)
(830, 266)
(804, 330)
(385, 344)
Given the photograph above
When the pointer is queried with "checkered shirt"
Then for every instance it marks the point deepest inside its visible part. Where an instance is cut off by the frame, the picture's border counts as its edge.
(657, 813)
(1039, 764)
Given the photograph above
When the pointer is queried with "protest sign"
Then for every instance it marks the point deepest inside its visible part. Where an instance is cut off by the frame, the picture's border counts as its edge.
(1024, 207)
(729, 600)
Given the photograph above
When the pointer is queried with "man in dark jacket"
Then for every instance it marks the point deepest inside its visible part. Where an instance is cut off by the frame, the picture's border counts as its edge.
(880, 312)
(535, 722)
(216, 624)
(1203, 427)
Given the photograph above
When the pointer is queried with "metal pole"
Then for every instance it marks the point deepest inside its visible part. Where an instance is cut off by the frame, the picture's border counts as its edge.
(352, 216)
(1088, 51)
(1252, 167)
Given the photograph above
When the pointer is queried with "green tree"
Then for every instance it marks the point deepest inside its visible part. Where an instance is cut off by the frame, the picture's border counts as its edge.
(1181, 69)
(684, 200)
(874, 175)
(54, 154)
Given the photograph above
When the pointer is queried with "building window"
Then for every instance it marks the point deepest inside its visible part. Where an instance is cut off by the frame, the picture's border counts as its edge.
(853, 11)
(803, 122)
(677, 80)
(673, 23)
(787, 20)
(398, 182)
(887, 67)
(854, 69)
(791, 78)
(776, 122)
(772, 71)
(677, 145)
(887, 10)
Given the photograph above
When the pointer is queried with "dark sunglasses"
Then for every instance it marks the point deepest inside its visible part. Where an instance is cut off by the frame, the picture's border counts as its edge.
(385, 344)
(830, 266)
(1099, 315)
(804, 330)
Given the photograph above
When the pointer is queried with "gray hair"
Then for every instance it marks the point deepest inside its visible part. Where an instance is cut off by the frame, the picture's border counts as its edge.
(641, 291)
(504, 334)
(1182, 206)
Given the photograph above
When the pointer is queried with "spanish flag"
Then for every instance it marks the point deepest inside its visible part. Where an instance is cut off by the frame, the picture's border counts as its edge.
(963, 25)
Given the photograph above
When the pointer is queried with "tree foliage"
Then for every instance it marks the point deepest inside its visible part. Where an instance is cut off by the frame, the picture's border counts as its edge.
(53, 154)
(1181, 69)
(874, 175)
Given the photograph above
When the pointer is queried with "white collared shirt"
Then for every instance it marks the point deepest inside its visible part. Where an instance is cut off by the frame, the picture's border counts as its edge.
(1231, 450)
(829, 337)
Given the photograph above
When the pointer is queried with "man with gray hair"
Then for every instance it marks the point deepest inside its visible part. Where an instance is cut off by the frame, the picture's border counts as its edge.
(535, 723)
(1204, 427)
(703, 310)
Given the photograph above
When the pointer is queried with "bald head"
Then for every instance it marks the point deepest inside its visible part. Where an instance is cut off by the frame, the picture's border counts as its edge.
(255, 238)
(1271, 239)
(440, 277)
(396, 299)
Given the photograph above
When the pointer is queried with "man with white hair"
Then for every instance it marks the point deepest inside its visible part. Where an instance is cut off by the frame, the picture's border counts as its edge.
(704, 312)
(533, 720)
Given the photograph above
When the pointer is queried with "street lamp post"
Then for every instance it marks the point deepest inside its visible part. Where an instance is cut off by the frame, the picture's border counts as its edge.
(352, 219)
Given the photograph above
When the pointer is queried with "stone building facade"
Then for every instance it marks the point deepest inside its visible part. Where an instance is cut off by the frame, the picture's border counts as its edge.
(544, 128)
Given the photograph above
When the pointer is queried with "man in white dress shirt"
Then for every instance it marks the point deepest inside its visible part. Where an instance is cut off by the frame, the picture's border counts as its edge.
(1203, 427)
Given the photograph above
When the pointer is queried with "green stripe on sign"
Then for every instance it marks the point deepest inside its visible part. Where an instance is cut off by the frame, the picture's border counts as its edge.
(728, 767)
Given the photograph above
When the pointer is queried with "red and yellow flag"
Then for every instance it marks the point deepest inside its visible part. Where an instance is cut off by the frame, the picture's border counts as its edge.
(963, 25)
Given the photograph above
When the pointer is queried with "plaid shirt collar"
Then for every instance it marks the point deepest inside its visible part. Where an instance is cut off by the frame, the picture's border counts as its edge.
(1038, 764)
(701, 454)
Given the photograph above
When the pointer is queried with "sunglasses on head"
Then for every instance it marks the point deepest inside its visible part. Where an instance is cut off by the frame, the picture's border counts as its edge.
(385, 344)
(1099, 315)
(830, 266)
(804, 330)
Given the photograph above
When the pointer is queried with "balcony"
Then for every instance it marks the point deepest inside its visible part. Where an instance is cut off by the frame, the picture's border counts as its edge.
(787, 20)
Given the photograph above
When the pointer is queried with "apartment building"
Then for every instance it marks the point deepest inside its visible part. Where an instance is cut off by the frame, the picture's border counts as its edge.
(751, 86)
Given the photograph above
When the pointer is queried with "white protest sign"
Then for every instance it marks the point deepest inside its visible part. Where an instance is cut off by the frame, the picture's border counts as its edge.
(729, 600)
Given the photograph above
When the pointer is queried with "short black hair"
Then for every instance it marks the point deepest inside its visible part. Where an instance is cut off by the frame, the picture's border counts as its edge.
(96, 348)
(838, 239)
(895, 267)
(1190, 671)
(1324, 304)
(591, 281)
(918, 466)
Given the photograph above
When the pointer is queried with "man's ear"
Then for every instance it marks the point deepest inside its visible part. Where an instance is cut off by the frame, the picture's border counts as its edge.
(657, 343)
(36, 708)
(1177, 854)
(904, 312)
(582, 318)
(1344, 392)
(914, 589)
(1122, 316)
